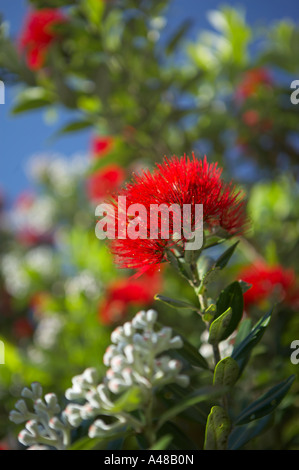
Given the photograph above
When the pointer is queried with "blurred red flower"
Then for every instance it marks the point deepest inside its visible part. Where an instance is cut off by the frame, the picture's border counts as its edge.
(126, 293)
(38, 34)
(25, 200)
(22, 328)
(252, 80)
(4, 446)
(258, 124)
(100, 146)
(178, 181)
(38, 303)
(105, 181)
(272, 283)
(29, 237)
(26, 234)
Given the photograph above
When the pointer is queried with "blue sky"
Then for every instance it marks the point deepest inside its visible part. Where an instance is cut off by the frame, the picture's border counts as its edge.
(28, 134)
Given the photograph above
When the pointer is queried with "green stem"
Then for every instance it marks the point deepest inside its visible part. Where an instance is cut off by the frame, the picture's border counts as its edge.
(149, 430)
(216, 353)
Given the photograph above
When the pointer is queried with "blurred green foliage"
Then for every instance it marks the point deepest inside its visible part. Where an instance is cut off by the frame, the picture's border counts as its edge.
(121, 74)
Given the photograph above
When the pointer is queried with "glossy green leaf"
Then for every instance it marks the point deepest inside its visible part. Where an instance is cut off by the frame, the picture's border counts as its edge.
(226, 372)
(217, 429)
(204, 394)
(222, 261)
(174, 303)
(243, 349)
(241, 435)
(232, 297)
(220, 326)
(192, 355)
(244, 329)
(266, 403)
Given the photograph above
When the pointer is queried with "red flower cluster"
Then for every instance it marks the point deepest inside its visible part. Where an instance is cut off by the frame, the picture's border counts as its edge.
(269, 283)
(253, 120)
(126, 293)
(179, 181)
(253, 79)
(104, 182)
(107, 180)
(101, 146)
(22, 328)
(38, 35)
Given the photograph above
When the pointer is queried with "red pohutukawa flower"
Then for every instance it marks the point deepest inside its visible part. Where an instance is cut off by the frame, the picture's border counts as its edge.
(269, 283)
(128, 292)
(101, 146)
(252, 80)
(38, 35)
(180, 181)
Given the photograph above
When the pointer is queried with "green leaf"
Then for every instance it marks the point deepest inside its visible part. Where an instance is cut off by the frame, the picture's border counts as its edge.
(192, 355)
(219, 327)
(94, 10)
(74, 127)
(245, 286)
(86, 443)
(242, 350)
(244, 329)
(207, 268)
(204, 394)
(231, 297)
(173, 393)
(240, 435)
(226, 372)
(162, 443)
(217, 429)
(222, 261)
(174, 303)
(176, 38)
(266, 403)
(29, 105)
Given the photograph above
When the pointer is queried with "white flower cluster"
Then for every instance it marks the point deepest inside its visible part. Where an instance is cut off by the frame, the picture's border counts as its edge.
(17, 270)
(137, 367)
(37, 217)
(44, 429)
(84, 282)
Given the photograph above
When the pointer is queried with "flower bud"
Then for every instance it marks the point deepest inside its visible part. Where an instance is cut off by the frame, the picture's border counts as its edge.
(37, 390)
(90, 375)
(117, 335)
(51, 400)
(182, 380)
(32, 427)
(22, 407)
(26, 438)
(151, 316)
(16, 417)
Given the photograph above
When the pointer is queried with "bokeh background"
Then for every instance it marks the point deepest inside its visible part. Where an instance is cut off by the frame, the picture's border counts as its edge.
(15, 152)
